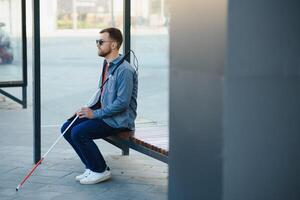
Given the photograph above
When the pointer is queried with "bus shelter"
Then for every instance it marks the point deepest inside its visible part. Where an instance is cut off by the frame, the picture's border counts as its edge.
(13, 50)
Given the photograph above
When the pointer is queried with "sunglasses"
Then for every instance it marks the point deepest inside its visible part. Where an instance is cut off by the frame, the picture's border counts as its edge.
(100, 42)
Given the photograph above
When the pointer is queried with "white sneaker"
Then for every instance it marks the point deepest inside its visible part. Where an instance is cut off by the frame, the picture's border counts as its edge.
(96, 177)
(85, 174)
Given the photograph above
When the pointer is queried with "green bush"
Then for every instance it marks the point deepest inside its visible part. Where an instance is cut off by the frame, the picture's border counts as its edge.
(68, 24)
(64, 24)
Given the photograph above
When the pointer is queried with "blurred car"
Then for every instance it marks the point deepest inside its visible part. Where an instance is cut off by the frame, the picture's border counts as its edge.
(6, 53)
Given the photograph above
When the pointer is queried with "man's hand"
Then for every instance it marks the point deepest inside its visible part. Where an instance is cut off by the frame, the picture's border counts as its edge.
(85, 112)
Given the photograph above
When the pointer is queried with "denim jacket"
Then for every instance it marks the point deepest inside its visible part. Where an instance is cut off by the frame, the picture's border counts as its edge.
(119, 96)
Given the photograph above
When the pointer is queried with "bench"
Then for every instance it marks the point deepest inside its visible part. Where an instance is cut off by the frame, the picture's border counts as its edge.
(151, 141)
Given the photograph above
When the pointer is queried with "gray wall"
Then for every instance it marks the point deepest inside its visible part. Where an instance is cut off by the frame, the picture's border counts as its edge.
(197, 53)
(262, 101)
(234, 100)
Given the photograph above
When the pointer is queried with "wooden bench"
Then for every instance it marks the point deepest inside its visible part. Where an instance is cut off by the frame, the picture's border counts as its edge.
(151, 141)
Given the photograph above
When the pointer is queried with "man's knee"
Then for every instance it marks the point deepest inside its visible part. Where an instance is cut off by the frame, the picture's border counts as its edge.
(77, 134)
(64, 127)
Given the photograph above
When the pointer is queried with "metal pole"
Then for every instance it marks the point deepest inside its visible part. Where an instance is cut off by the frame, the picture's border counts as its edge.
(10, 17)
(113, 24)
(127, 25)
(24, 97)
(162, 11)
(36, 82)
(74, 17)
(24, 55)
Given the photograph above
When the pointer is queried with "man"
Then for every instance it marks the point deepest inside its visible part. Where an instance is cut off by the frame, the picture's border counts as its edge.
(111, 111)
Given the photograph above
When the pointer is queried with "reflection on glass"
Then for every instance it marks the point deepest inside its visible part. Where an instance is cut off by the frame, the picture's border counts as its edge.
(150, 41)
(85, 14)
(71, 66)
(10, 41)
(6, 54)
(72, 53)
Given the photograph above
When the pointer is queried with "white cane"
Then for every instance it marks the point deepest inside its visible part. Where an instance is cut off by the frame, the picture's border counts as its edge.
(91, 101)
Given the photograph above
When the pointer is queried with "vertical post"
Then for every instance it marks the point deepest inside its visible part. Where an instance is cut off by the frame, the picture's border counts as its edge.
(74, 11)
(125, 151)
(197, 60)
(162, 10)
(10, 16)
(36, 81)
(127, 25)
(24, 96)
(24, 55)
(126, 31)
(261, 101)
(113, 24)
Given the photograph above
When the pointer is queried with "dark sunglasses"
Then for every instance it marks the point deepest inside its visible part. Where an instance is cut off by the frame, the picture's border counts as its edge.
(100, 42)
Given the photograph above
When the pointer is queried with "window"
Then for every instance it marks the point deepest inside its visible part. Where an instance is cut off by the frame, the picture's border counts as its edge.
(150, 41)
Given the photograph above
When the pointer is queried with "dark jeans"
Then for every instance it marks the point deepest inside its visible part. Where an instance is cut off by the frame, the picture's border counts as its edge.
(81, 135)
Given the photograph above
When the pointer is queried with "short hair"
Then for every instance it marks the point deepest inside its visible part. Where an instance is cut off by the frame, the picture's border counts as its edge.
(115, 34)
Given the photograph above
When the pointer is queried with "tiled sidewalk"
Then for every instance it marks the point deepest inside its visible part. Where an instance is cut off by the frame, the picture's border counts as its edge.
(134, 177)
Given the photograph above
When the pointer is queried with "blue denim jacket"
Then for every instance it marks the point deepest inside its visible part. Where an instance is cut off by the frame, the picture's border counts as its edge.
(119, 97)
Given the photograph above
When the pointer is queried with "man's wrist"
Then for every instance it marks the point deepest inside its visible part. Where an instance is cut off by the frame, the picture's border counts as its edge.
(96, 113)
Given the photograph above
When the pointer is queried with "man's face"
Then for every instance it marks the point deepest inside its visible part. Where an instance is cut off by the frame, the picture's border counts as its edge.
(105, 48)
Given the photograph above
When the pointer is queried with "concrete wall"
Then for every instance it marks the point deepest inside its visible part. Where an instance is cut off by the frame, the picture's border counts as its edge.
(262, 101)
(197, 53)
(234, 100)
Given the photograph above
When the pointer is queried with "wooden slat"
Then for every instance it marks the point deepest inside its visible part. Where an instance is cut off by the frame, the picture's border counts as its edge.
(154, 138)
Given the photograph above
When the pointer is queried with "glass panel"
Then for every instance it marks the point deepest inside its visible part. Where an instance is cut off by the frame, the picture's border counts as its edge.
(10, 41)
(71, 66)
(150, 41)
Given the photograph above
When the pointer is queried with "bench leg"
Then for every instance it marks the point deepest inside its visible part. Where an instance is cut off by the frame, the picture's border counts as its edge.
(123, 147)
(125, 151)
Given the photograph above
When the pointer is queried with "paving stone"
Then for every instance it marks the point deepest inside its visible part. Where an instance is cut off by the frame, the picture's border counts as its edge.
(158, 189)
(77, 196)
(36, 195)
(63, 189)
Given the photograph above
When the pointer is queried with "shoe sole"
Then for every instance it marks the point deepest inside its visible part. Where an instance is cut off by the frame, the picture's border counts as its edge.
(96, 181)
(78, 179)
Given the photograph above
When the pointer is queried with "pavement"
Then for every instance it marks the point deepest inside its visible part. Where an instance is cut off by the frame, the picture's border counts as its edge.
(134, 177)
